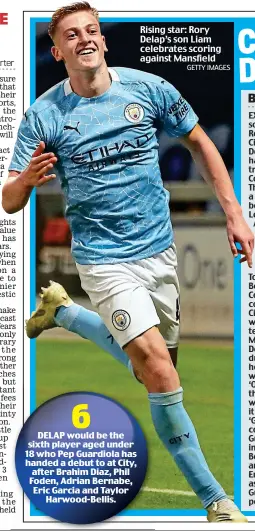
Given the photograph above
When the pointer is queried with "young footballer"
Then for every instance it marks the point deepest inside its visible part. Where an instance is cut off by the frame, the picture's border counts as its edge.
(99, 127)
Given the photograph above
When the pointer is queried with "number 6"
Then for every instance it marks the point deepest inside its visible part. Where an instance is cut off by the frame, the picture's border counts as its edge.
(80, 417)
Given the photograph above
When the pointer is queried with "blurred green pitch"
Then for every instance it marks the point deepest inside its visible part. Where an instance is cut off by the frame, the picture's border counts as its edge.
(207, 378)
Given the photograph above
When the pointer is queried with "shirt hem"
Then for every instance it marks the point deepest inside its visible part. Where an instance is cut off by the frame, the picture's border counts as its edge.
(134, 258)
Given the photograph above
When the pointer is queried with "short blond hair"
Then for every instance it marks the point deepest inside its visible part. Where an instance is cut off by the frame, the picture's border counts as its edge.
(62, 12)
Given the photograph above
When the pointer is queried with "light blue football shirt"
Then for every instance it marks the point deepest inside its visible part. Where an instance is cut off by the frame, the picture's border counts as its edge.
(107, 149)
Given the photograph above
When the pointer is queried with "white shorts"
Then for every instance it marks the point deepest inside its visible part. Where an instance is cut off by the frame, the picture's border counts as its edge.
(132, 297)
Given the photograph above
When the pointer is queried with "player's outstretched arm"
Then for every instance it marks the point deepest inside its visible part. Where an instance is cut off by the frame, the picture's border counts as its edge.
(213, 170)
(19, 185)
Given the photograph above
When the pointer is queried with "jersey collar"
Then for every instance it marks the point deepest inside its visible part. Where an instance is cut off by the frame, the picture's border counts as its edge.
(68, 89)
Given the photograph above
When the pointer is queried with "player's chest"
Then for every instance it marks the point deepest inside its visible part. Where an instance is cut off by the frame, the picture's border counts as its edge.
(119, 120)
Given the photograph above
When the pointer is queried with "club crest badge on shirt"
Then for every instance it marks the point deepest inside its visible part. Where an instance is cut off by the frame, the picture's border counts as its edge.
(134, 113)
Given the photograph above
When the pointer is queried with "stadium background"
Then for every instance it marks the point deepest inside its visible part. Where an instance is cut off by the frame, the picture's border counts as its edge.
(65, 363)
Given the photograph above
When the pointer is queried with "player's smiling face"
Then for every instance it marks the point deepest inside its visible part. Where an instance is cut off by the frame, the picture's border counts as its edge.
(79, 43)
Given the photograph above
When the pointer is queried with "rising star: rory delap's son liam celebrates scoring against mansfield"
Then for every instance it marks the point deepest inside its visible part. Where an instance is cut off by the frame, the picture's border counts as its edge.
(100, 127)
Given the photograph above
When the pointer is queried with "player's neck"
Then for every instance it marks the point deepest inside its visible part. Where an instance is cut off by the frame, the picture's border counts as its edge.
(90, 84)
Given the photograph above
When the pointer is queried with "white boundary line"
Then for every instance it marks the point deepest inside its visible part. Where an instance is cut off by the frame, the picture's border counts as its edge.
(170, 491)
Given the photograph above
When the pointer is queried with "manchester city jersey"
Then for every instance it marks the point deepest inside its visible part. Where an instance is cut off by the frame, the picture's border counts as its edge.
(107, 150)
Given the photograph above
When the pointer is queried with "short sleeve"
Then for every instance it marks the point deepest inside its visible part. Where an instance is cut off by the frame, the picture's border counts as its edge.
(30, 134)
(174, 113)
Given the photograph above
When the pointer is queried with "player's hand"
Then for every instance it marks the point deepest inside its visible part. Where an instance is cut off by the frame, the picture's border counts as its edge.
(239, 232)
(40, 164)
